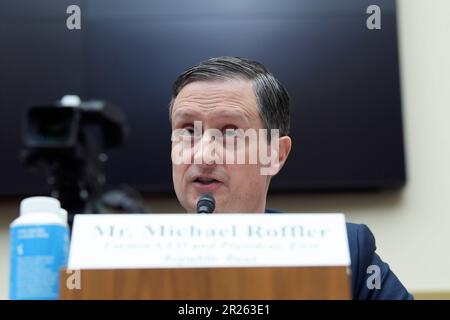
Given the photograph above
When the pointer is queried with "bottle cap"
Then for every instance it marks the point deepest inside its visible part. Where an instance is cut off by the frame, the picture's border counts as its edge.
(64, 214)
(40, 205)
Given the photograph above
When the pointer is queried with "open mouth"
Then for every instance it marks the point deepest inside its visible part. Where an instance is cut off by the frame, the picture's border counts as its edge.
(206, 181)
(206, 184)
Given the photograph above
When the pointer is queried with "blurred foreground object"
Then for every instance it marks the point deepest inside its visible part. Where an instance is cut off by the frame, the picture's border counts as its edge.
(39, 248)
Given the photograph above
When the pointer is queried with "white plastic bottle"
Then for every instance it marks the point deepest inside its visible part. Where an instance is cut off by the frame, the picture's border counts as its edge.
(39, 249)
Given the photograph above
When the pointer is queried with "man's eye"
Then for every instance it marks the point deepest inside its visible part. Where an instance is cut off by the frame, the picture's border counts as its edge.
(189, 130)
(230, 131)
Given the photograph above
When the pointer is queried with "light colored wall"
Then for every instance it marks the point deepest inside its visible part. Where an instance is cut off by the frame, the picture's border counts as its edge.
(412, 226)
(8, 211)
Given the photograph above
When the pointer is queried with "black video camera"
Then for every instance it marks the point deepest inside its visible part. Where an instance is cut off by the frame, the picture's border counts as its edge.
(68, 141)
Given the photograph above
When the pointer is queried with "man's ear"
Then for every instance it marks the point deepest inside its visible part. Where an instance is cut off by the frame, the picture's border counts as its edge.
(285, 149)
(281, 155)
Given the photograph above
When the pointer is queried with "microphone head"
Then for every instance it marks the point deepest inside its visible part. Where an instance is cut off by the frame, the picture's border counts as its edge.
(206, 204)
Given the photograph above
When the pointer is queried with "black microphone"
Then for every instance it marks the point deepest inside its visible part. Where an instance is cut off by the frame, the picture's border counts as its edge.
(206, 204)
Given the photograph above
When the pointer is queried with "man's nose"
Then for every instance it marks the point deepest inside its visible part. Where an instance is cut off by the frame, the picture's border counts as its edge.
(209, 149)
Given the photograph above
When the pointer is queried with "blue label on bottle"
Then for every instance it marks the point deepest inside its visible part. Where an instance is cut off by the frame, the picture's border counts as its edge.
(38, 252)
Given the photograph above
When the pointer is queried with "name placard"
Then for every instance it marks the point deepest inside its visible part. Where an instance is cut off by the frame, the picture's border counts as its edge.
(217, 240)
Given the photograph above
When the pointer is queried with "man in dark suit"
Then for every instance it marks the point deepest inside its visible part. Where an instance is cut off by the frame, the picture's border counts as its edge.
(230, 124)
(372, 279)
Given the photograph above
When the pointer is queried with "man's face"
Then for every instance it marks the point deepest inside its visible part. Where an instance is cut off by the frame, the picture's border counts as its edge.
(220, 105)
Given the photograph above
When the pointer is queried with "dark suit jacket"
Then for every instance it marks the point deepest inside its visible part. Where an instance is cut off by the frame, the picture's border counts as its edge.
(362, 255)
